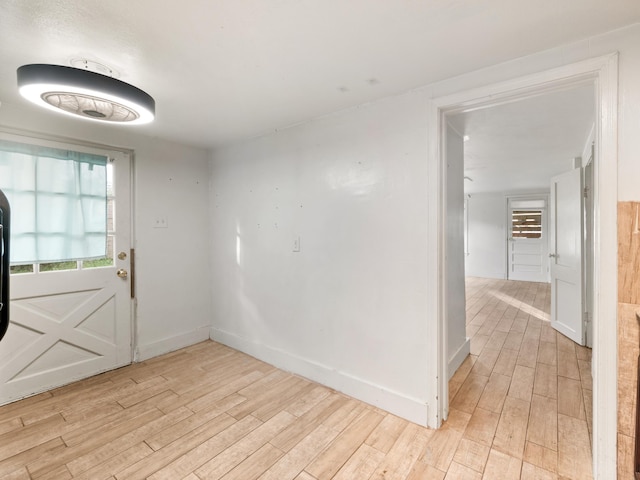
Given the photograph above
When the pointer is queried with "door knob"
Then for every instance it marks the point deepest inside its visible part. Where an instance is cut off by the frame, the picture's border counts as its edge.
(122, 273)
(552, 255)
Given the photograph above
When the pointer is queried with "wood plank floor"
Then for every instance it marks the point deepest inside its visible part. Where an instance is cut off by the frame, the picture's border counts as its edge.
(526, 387)
(520, 408)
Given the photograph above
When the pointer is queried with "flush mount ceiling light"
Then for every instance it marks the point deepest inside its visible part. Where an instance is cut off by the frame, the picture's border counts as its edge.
(85, 94)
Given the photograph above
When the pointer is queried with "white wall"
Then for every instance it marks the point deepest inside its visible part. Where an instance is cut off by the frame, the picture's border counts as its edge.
(174, 270)
(172, 264)
(457, 343)
(349, 309)
(486, 241)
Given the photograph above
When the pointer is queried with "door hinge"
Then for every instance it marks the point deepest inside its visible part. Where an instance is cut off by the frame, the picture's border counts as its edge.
(585, 192)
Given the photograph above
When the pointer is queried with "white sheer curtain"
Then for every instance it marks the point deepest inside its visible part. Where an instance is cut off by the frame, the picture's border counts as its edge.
(58, 202)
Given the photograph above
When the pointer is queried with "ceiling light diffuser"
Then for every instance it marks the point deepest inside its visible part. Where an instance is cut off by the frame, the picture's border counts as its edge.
(85, 94)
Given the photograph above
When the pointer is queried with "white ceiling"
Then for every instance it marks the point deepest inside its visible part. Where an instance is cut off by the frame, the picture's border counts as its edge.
(521, 145)
(223, 70)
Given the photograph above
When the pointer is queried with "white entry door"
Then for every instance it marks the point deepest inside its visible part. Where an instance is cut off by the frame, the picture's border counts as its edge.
(527, 242)
(71, 320)
(566, 255)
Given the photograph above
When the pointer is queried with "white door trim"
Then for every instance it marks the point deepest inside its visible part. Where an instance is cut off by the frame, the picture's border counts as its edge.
(603, 72)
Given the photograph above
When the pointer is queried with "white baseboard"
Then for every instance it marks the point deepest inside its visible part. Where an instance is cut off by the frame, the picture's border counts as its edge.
(409, 408)
(485, 274)
(144, 352)
(458, 357)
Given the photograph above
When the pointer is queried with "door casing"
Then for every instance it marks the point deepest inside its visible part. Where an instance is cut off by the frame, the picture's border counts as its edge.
(602, 72)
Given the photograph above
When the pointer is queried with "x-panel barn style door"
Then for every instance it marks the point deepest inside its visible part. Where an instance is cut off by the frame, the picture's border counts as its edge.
(75, 322)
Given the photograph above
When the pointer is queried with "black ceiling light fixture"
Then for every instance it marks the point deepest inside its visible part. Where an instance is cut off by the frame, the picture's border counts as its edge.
(86, 94)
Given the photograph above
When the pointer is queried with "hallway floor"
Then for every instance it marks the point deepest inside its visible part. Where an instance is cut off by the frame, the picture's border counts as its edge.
(519, 410)
(525, 392)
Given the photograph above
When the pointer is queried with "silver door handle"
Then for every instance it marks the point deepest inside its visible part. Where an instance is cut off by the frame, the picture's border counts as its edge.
(552, 255)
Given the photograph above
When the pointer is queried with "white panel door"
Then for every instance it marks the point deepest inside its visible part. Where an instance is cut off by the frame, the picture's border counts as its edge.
(527, 245)
(526, 260)
(70, 324)
(566, 255)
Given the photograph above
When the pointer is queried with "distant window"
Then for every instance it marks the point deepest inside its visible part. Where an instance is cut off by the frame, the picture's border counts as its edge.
(526, 223)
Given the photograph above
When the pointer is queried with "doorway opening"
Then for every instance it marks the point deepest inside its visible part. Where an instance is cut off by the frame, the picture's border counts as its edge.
(602, 74)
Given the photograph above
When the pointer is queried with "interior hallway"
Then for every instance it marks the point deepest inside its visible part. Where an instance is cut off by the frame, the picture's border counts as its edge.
(208, 411)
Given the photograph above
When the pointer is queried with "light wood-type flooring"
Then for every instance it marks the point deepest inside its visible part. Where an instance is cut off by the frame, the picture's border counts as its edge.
(520, 406)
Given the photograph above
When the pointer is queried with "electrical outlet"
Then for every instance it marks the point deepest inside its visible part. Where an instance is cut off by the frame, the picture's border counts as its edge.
(160, 222)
